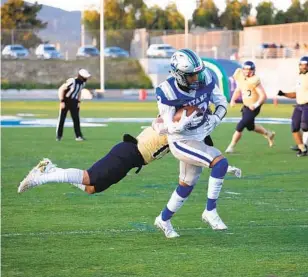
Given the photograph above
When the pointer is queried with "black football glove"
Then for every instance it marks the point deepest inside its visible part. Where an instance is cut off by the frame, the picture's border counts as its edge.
(281, 93)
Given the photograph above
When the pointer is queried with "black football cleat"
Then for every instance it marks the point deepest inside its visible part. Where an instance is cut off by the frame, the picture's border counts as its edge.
(302, 153)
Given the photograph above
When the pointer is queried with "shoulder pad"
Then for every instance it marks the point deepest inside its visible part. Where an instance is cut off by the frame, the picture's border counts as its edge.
(255, 80)
(208, 77)
(160, 96)
(237, 73)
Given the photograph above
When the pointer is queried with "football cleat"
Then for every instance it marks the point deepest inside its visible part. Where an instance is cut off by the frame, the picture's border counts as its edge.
(166, 227)
(270, 138)
(294, 148)
(212, 218)
(230, 149)
(44, 166)
(302, 153)
(80, 139)
(236, 171)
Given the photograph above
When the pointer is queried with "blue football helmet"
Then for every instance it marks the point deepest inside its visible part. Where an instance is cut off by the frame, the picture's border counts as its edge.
(251, 67)
(303, 65)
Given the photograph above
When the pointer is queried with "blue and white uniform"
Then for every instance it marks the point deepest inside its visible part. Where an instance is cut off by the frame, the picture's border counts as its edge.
(188, 145)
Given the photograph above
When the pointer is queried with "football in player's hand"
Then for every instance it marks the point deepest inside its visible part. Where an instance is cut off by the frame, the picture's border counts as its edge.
(189, 111)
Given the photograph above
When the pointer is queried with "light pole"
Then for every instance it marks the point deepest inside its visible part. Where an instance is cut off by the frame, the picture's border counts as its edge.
(102, 47)
(186, 8)
(82, 28)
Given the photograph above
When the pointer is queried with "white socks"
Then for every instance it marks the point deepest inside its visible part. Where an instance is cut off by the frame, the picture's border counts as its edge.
(214, 187)
(305, 138)
(175, 202)
(80, 186)
(70, 175)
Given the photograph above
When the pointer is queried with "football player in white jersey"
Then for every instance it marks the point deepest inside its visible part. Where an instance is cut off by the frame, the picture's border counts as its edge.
(191, 84)
(150, 145)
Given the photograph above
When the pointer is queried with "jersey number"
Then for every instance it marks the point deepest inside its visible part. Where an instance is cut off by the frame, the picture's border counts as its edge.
(161, 152)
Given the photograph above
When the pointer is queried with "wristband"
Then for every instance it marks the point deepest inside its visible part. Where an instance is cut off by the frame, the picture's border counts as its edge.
(62, 101)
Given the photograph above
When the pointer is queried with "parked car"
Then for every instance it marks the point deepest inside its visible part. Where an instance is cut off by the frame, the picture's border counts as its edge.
(15, 51)
(160, 51)
(115, 52)
(87, 51)
(47, 52)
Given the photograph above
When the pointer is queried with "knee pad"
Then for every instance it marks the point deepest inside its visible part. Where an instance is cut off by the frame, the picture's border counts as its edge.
(250, 127)
(219, 170)
(304, 126)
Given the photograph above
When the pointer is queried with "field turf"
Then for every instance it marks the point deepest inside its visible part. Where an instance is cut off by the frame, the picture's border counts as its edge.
(56, 230)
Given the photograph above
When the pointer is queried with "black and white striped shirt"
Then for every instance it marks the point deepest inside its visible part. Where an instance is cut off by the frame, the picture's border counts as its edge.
(73, 88)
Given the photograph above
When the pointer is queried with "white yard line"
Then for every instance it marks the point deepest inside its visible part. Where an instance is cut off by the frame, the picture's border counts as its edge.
(146, 229)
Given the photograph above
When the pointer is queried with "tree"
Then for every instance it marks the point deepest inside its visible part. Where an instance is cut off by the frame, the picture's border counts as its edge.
(265, 13)
(235, 14)
(280, 17)
(295, 13)
(19, 23)
(206, 15)
(305, 7)
(175, 20)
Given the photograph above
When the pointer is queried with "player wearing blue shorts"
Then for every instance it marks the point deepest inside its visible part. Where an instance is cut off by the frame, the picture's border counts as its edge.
(113, 167)
(300, 113)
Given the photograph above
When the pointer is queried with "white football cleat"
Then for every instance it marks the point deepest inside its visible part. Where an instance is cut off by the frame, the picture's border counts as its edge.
(166, 227)
(212, 218)
(270, 138)
(230, 149)
(236, 171)
(44, 166)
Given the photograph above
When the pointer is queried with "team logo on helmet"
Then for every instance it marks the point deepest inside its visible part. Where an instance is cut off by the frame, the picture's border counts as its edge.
(184, 63)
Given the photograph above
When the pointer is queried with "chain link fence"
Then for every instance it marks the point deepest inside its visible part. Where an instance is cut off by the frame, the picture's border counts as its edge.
(273, 41)
(217, 44)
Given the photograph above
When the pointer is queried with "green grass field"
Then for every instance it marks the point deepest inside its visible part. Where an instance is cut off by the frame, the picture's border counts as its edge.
(57, 230)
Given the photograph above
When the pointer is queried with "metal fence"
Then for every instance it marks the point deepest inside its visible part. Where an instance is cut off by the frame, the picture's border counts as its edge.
(217, 44)
(273, 41)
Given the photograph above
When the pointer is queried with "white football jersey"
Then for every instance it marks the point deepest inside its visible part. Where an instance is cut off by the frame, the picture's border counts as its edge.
(170, 98)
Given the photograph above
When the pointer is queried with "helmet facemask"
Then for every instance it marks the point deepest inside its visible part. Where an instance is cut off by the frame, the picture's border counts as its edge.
(182, 78)
(303, 67)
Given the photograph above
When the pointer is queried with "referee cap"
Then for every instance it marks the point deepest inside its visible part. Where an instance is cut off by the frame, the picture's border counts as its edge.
(84, 73)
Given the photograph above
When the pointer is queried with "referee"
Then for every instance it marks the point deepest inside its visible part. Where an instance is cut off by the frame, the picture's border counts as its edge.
(69, 96)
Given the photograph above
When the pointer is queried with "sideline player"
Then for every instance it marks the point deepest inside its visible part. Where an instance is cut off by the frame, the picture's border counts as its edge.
(113, 167)
(253, 95)
(300, 113)
(191, 84)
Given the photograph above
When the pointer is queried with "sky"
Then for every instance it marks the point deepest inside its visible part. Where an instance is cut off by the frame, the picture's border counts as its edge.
(72, 5)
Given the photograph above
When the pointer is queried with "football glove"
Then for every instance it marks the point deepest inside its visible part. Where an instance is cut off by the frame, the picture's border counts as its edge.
(211, 123)
(178, 127)
(281, 93)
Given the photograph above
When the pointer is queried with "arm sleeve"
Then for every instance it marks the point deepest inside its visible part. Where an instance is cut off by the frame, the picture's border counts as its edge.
(220, 102)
